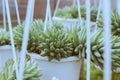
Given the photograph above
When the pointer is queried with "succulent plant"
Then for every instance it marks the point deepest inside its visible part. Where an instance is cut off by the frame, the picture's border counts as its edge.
(72, 12)
(57, 26)
(55, 44)
(33, 42)
(115, 22)
(94, 12)
(31, 71)
(78, 36)
(73, 34)
(4, 38)
(97, 56)
(64, 13)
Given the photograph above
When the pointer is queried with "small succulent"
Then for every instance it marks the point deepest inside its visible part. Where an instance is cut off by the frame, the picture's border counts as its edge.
(72, 12)
(98, 49)
(115, 22)
(4, 38)
(64, 13)
(33, 42)
(73, 34)
(78, 36)
(94, 12)
(31, 71)
(55, 44)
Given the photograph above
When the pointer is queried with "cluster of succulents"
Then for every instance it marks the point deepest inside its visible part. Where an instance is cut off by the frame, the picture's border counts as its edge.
(4, 37)
(55, 44)
(73, 34)
(78, 36)
(72, 12)
(33, 42)
(97, 48)
(97, 56)
(31, 71)
(115, 22)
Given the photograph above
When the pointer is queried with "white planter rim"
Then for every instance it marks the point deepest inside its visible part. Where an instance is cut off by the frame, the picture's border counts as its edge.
(69, 19)
(69, 59)
(4, 47)
(65, 19)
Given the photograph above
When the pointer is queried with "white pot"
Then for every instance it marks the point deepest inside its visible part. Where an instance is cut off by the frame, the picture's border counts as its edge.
(65, 69)
(5, 54)
(67, 23)
(71, 23)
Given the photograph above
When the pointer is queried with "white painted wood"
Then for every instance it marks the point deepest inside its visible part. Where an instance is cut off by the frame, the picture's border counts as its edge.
(118, 6)
(79, 12)
(107, 39)
(95, 3)
(4, 14)
(11, 37)
(49, 12)
(17, 11)
(57, 6)
(88, 51)
(25, 37)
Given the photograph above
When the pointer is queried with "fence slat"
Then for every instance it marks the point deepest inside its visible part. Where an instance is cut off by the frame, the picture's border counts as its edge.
(25, 37)
(107, 39)
(11, 37)
(88, 37)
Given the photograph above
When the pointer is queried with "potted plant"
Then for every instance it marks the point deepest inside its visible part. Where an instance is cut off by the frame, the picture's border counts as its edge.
(97, 57)
(53, 48)
(68, 16)
(115, 22)
(115, 25)
(31, 71)
(5, 47)
(97, 48)
(57, 57)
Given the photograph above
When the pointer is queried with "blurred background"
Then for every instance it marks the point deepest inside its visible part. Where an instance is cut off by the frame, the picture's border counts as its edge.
(40, 8)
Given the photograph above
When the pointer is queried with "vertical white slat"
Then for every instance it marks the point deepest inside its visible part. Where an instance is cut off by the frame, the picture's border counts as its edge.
(98, 13)
(17, 11)
(11, 37)
(4, 14)
(95, 3)
(79, 12)
(33, 6)
(107, 39)
(49, 11)
(56, 8)
(88, 37)
(118, 6)
(25, 38)
(46, 17)
(74, 2)
(99, 9)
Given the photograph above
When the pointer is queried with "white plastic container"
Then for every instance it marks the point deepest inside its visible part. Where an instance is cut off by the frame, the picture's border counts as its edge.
(65, 69)
(71, 23)
(67, 23)
(5, 54)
